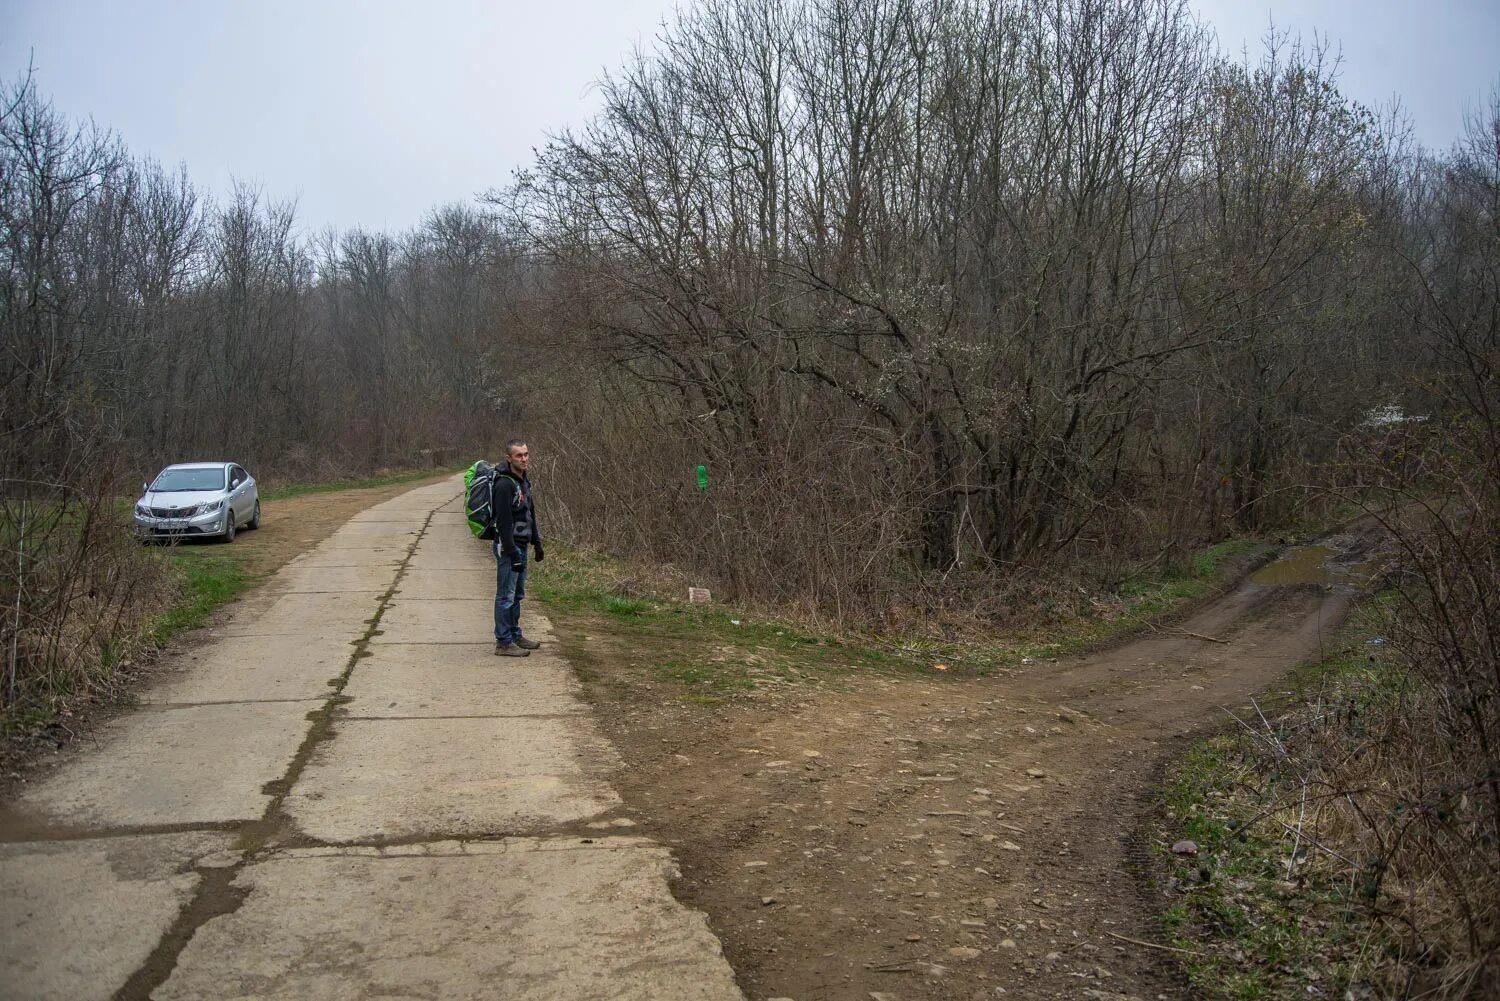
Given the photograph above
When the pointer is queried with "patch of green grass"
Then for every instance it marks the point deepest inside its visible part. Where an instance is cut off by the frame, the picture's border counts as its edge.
(300, 489)
(707, 677)
(1254, 932)
(207, 583)
(1235, 915)
(1209, 561)
(703, 653)
(596, 595)
(626, 608)
(1148, 595)
(1175, 917)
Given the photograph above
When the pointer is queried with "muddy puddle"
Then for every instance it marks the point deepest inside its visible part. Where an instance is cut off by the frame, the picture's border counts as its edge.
(1322, 564)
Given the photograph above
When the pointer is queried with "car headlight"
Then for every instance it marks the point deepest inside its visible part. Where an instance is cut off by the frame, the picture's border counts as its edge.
(142, 510)
(208, 508)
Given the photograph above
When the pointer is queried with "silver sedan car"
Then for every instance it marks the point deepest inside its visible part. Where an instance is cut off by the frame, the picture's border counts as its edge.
(198, 499)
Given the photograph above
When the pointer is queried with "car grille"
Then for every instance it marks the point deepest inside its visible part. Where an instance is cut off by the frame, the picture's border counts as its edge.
(170, 512)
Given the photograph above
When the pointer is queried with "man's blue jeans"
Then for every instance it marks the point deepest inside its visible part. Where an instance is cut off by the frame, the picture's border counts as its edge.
(510, 588)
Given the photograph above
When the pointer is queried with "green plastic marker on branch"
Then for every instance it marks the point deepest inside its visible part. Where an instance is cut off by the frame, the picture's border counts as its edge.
(702, 477)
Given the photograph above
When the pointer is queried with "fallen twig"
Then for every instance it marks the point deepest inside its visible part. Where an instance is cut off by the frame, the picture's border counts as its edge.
(1151, 945)
(1314, 842)
(1184, 632)
(1200, 636)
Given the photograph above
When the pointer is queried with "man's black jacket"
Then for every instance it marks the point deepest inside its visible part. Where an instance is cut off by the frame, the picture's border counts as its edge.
(515, 514)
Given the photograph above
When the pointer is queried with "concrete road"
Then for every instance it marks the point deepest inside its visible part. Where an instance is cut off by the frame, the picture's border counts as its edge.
(346, 795)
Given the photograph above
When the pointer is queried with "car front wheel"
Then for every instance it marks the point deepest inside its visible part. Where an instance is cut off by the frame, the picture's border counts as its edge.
(228, 522)
(254, 521)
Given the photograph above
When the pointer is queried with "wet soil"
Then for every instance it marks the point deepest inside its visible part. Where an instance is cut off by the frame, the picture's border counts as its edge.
(1337, 561)
(897, 838)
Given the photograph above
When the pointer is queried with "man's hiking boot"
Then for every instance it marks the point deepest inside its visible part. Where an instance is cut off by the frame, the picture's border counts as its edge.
(526, 644)
(510, 650)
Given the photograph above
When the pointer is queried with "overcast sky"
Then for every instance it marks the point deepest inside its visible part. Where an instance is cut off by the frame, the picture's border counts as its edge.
(370, 112)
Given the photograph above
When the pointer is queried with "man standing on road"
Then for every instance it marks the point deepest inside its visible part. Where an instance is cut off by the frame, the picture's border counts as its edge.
(515, 528)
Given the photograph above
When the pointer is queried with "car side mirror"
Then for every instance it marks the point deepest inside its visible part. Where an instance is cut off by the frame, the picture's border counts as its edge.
(145, 487)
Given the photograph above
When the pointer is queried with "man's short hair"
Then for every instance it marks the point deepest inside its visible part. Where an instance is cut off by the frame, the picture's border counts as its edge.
(513, 444)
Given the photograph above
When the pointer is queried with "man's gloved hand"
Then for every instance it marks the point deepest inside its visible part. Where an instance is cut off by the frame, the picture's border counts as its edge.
(517, 562)
(539, 554)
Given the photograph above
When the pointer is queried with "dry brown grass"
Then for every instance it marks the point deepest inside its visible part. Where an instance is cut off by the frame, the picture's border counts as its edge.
(79, 597)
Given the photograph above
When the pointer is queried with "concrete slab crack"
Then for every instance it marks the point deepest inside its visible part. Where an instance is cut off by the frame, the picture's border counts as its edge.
(45, 832)
(217, 894)
(396, 719)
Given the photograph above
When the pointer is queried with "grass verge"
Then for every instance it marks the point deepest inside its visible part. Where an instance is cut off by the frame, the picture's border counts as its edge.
(207, 581)
(391, 479)
(619, 623)
(1254, 919)
(1266, 908)
(615, 628)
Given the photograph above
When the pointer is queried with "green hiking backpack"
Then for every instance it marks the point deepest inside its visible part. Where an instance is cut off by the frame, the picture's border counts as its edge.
(479, 493)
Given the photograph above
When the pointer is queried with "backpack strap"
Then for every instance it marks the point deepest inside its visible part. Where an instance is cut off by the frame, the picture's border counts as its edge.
(502, 524)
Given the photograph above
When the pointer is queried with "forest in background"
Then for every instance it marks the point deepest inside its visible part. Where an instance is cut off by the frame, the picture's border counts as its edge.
(971, 309)
(959, 302)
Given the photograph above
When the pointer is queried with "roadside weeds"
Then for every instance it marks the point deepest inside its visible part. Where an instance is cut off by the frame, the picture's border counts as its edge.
(1289, 887)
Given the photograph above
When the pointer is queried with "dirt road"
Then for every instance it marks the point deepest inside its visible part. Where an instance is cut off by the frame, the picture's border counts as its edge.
(341, 793)
(981, 838)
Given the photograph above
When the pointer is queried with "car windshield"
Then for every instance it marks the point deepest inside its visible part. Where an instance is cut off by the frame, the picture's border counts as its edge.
(190, 479)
